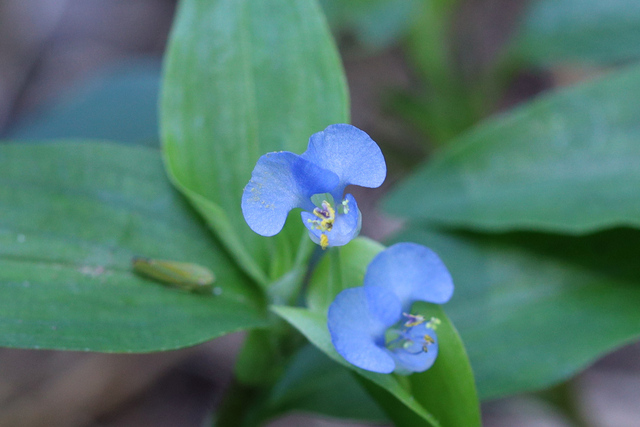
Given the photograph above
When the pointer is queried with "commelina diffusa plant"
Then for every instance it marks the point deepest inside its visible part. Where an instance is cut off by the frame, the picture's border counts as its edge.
(502, 202)
(371, 326)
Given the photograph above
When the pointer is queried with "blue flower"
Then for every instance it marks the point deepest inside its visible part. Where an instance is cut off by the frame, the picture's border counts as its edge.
(372, 326)
(340, 155)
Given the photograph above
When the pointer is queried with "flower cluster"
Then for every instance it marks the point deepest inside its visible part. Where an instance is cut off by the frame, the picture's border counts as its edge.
(372, 326)
(315, 181)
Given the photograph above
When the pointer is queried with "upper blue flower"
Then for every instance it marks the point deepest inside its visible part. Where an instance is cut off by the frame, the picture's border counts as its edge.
(340, 155)
(372, 326)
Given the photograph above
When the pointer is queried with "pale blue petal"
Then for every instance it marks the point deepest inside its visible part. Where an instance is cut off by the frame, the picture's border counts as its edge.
(357, 321)
(350, 153)
(411, 271)
(413, 359)
(280, 182)
(346, 227)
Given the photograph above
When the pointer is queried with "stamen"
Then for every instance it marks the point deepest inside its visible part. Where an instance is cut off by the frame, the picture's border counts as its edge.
(324, 241)
(413, 319)
(428, 340)
(345, 206)
(433, 323)
(326, 217)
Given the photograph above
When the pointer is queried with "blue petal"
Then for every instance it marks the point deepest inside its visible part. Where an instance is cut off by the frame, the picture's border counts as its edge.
(358, 319)
(280, 182)
(411, 271)
(414, 359)
(350, 153)
(346, 227)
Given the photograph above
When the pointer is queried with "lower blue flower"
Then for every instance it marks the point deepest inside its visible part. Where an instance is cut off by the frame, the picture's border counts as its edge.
(372, 327)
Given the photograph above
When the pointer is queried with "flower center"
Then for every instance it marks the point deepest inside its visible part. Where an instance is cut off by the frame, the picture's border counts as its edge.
(403, 336)
(326, 216)
(325, 213)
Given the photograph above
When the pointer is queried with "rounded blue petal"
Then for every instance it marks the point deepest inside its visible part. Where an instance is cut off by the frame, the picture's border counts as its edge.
(413, 272)
(350, 153)
(346, 227)
(358, 319)
(414, 358)
(281, 182)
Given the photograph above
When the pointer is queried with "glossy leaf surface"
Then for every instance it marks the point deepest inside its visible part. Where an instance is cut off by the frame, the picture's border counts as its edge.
(585, 31)
(243, 78)
(564, 162)
(73, 217)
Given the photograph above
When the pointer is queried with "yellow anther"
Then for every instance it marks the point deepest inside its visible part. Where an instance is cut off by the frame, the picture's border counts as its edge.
(413, 319)
(326, 215)
(428, 340)
(324, 241)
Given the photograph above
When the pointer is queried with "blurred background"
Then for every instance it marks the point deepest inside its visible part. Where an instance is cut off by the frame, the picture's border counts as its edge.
(92, 69)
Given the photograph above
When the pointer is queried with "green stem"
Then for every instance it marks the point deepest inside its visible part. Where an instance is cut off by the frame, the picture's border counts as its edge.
(335, 283)
(305, 249)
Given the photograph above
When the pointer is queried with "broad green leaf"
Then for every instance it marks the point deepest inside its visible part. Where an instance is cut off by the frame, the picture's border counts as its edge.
(314, 383)
(74, 215)
(534, 309)
(243, 78)
(119, 103)
(565, 162)
(586, 31)
(450, 382)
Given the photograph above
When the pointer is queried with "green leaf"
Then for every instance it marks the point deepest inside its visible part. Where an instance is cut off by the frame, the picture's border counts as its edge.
(565, 162)
(243, 78)
(534, 309)
(315, 383)
(74, 214)
(449, 383)
(587, 31)
(352, 261)
(119, 104)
